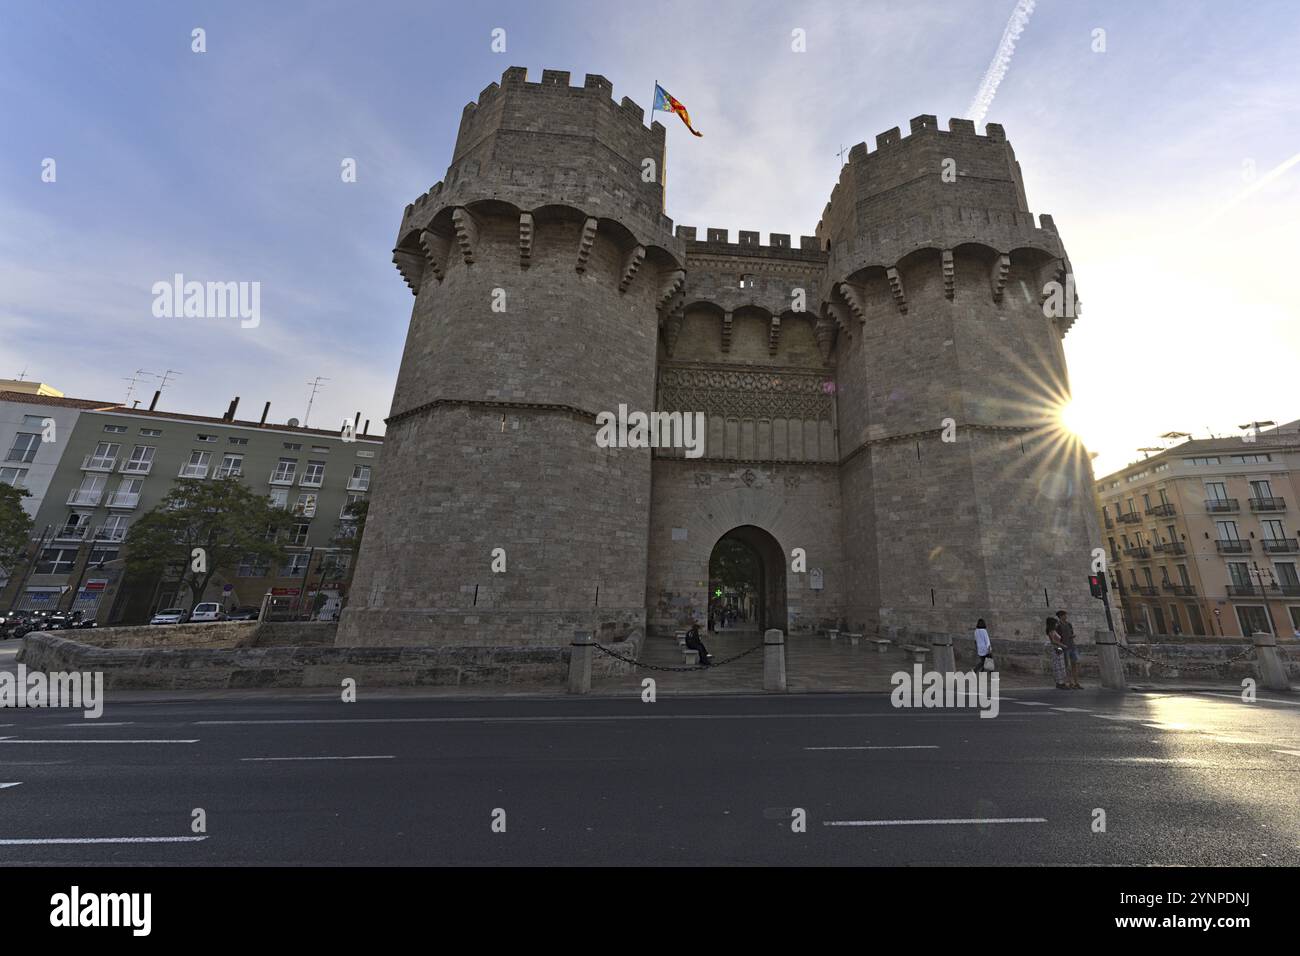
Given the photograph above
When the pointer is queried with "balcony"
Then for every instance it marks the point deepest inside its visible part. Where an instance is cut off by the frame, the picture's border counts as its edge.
(124, 499)
(279, 478)
(1146, 590)
(1181, 590)
(134, 467)
(93, 463)
(1109, 522)
(1232, 547)
(1170, 547)
(1268, 504)
(1128, 517)
(1247, 590)
(358, 484)
(72, 533)
(193, 471)
(87, 499)
(105, 533)
(1280, 545)
(235, 472)
(1290, 590)
(1222, 505)
(1140, 552)
(1164, 510)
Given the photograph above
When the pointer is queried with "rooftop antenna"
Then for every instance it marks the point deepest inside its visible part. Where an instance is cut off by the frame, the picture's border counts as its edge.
(23, 374)
(1146, 450)
(315, 387)
(170, 373)
(843, 149)
(130, 389)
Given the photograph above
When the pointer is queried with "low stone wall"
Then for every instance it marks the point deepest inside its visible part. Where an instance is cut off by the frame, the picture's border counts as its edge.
(295, 633)
(214, 634)
(313, 666)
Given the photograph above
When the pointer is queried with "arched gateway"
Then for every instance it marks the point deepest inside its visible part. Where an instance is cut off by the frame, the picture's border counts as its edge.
(747, 575)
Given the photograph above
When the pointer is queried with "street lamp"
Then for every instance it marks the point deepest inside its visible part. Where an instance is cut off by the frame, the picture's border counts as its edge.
(1258, 573)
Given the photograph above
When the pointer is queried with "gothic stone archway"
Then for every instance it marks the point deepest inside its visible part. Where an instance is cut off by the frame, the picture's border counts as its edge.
(748, 559)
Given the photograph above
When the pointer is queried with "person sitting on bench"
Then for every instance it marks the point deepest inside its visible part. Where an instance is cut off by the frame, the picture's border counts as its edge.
(694, 643)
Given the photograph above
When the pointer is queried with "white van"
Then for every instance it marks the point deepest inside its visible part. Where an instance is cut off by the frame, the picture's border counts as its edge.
(208, 611)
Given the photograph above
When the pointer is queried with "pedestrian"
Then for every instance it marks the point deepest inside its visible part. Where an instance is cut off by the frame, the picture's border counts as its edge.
(983, 646)
(1066, 630)
(1057, 650)
(694, 643)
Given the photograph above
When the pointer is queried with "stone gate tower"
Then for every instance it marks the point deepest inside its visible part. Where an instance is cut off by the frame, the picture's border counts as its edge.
(879, 395)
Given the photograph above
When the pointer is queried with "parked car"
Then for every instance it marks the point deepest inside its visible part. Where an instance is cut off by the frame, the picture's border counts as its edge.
(207, 611)
(170, 615)
(246, 612)
(74, 621)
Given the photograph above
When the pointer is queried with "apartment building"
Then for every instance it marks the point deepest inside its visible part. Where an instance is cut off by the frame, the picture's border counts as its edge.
(111, 464)
(1202, 537)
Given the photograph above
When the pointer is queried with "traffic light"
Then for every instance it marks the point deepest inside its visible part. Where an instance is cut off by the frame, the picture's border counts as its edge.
(1097, 585)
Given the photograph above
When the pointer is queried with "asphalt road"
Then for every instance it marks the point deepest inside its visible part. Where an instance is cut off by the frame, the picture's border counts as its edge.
(390, 779)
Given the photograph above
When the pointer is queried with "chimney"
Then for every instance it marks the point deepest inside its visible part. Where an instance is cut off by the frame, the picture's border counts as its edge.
(266, 410)
(156, 396)
(230, 410)
(356, 422)
(366, 430)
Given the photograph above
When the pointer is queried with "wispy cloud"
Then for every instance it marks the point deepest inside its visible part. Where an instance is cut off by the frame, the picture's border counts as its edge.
(979, 106)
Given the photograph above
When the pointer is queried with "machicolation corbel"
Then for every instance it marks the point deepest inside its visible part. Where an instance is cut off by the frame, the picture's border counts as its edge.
(998, 277)
(466, 233)
(525, 239)
(585, 243)
(631, 264)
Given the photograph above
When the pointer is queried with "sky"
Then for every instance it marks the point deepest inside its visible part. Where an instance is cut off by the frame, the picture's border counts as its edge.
(1162, 158)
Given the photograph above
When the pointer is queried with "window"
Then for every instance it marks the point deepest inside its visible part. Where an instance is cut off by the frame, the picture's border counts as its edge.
(1164, 496)
(239, 441)
(1217, 490)
(101, 556)
(252, 566)
(105, 456)
(1261, 489)
(298, 534)
(314, 476)
(279, 498)
(1250, 459)
(1286, 575)
(1239, 573)
(1227, 530)
(90, 491)
(115, 429)
(1253, 618)
(141, 460)
(151, 432)
(747, 282)
(1160, 468)
(360, 480)
(56, 561)
(1146, 573)
(24, 447)
(127, 494)
(206, 437)
(1273, 531)
(1183, 579)
(113, 528)
(1194, 616)
(197, 466)
(365, 454)
(335, 565)
(320, 449)
(292, 446)
(306, 506)
(13, 476)
(285, 471)
(1201, 461)
(232, 466)
(296, 566)
(1146, 502)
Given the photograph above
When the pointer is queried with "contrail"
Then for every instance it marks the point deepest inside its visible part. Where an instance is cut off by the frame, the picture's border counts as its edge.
(979, 106)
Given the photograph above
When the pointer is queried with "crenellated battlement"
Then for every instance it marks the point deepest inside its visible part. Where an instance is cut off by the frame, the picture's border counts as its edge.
(748, 243)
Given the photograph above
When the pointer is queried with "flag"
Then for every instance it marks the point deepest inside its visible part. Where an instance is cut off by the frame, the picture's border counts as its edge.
(667, 103)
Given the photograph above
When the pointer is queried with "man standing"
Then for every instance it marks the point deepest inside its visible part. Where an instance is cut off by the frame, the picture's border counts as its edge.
(1066, 630)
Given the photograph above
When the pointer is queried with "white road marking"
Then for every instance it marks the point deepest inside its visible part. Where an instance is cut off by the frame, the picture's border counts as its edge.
(903, 713)
(1072, 710)
(1118, 717)
(11, 740)
(1030, 703)
(96, 723)
(1261, 700)
(380, 757)
(913, 823)
(3, 785)
(48, 840)
(1289, 753)
(900, 747)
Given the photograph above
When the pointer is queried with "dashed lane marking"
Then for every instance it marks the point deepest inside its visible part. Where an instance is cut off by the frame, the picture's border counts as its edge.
(4, 785)
(367, 757)
(898, 747)
(11, 740)
(49, 840)
(915, 823)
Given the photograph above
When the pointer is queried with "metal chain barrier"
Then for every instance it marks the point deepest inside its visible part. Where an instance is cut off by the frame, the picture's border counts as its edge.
(1190, 667)
(660, 667)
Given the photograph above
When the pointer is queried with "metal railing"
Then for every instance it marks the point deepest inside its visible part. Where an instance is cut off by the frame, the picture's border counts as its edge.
(1279, 545)
(1162, 510)
(1268, 504)
(1220, 505)
(1240, 546)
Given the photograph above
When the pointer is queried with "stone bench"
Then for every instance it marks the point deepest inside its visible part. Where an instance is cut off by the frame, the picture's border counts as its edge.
(918, 653)
(853, 638)
(882, 644)
(681, 638)
(833, 633)
(691, 657)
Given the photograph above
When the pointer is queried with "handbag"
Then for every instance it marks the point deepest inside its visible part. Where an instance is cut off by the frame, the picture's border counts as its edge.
(989, 664)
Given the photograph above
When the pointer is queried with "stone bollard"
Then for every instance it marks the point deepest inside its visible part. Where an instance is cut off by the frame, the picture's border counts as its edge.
(1272, 672)
(580, 652)
(773, 660)
(833, 633)
(945, 662)
(1111, 666)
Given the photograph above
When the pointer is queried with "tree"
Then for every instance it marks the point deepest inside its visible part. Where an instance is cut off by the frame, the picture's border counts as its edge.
(203, 526)
(15, 526)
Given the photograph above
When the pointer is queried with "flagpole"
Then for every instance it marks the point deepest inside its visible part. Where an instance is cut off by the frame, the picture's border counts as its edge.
(663, 167)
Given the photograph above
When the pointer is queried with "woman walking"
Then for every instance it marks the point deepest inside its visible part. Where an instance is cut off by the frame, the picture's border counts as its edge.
(983, 646)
